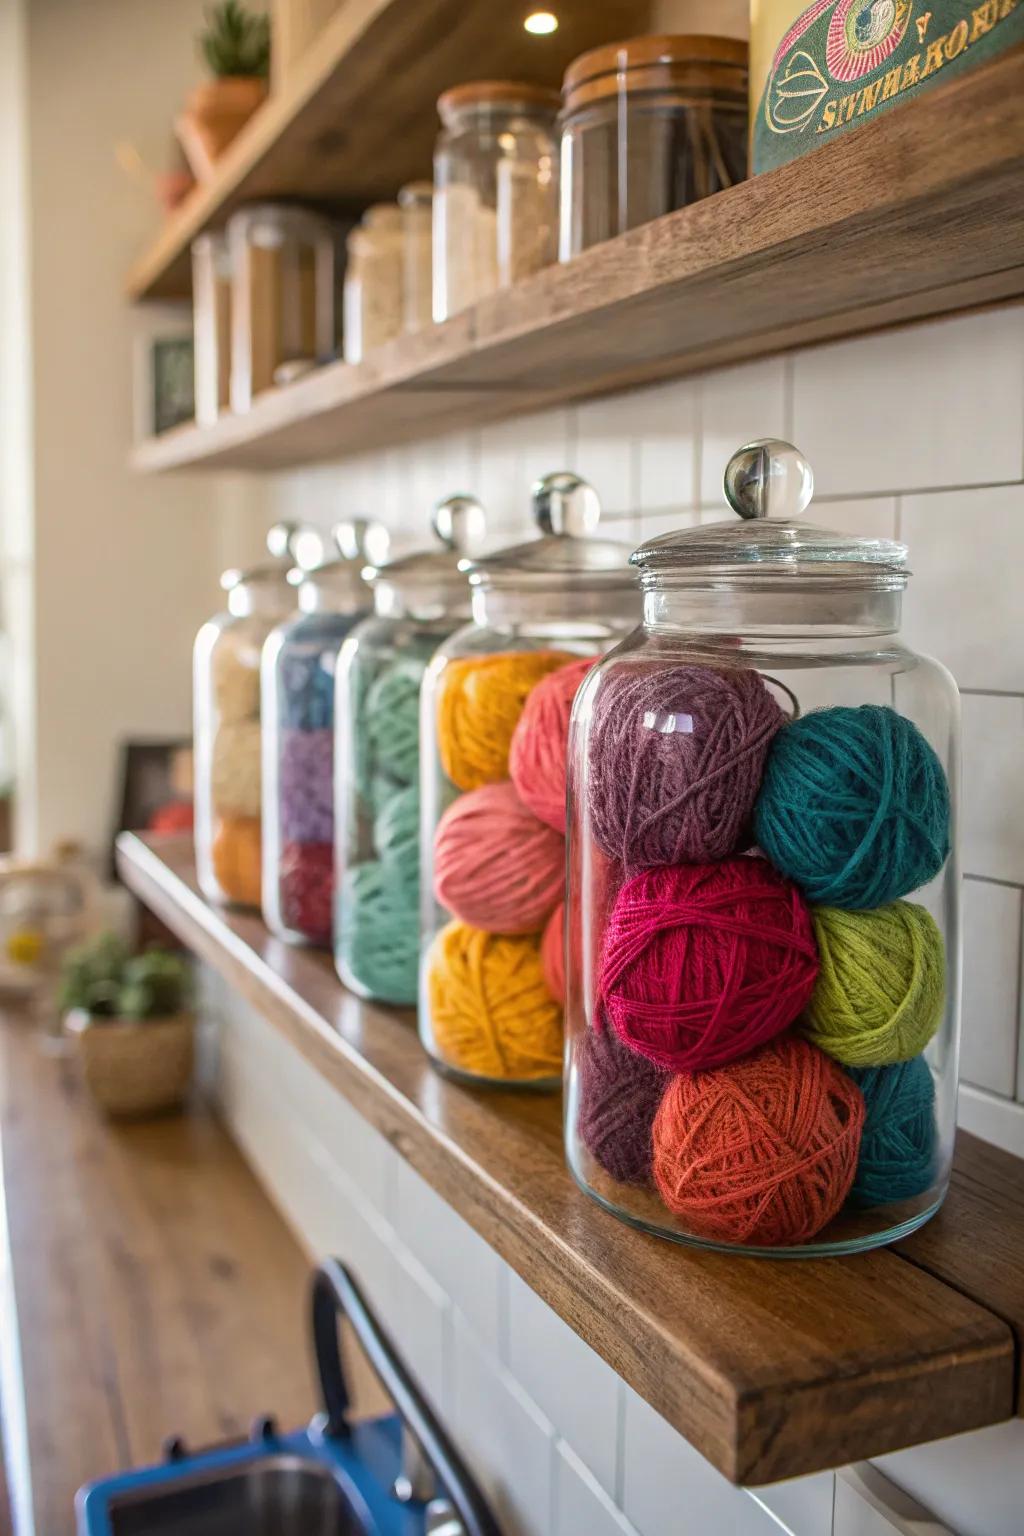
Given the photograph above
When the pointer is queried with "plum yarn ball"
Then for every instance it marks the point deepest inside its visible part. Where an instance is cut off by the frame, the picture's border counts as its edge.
(880, 992)
(390, 719)
(854, 806)
(703, 963)
(496, 866)
(619, 1094)
(898, 1149)
(540, 743)
(762, 1152)
(490, 1012)
(675, 757)
(377, 947)
(552, 953)
(479, 702)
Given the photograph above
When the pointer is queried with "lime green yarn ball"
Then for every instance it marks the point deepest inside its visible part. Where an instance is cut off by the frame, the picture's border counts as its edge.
(881, 988)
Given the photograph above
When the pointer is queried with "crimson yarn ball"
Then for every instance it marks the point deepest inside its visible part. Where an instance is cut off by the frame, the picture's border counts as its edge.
(675, 757)
(552, 954)
(705, 962)
(619, 1094)
(536, 759)
(496, 867)
(761, 1152)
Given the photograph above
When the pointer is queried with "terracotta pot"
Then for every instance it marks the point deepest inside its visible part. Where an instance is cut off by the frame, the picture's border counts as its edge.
(213, 116)
(134, 1066)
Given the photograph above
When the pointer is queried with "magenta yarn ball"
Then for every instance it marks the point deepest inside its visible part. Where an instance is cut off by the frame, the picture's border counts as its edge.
(497, 867)
(675, 760)
(619, 1094)
(536, 760)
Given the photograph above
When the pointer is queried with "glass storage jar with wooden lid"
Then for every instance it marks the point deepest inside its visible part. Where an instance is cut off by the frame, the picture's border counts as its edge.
(495, 189)
(416, 201)
(495, 716)
(372, 300)
(648, 126)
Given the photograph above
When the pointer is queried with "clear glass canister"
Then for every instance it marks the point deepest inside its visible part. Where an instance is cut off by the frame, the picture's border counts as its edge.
(495, 717)
(419, 600)
(648, 126)
(763, 942)
(372, 301)
(495, 190)
(226, 709)
(211, 326)
(416, 200)
(297, 692)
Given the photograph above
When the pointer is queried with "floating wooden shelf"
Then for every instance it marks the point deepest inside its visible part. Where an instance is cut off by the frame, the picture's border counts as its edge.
(358, 115)
(771, 1369)
(898, 220)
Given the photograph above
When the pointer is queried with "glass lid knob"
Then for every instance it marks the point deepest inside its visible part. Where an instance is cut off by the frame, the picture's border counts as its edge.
(459, 522)
(565, 505)
(361, 538)
(279, 539)
(769, 478)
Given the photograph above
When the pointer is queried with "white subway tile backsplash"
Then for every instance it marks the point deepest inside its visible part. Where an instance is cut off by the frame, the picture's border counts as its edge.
(606, 453)
(991, 1013)
(738, 405)
(928, 406)
(866, 517)
(467, 1269)
(548, 442)
(582, 1508)
(993, 826)
(418, 1322)
(971, 1482)
(666, 442)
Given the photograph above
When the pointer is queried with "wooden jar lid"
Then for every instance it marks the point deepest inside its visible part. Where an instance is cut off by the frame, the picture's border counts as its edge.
(501, 93)
(653, 63)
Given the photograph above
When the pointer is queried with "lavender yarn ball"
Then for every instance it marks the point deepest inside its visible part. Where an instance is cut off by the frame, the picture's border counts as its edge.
(619, 1094)
(306, 786)
(675, 757)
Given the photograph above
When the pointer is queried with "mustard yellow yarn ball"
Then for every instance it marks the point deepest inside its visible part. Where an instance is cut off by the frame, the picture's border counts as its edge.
(479, 701)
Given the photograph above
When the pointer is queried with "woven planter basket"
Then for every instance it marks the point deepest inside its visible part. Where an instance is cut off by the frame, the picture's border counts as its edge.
(135, 1066)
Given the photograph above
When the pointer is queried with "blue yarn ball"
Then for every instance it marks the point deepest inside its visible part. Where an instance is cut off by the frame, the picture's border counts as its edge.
(305, 670)
(897, 1149)
(854, 806)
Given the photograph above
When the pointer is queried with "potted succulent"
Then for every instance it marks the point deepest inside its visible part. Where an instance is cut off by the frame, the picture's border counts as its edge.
(131, 1024)
(236, 48)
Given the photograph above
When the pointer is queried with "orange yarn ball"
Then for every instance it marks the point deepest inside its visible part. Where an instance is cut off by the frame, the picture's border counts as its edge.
(552, 953)
(762, 1151)
(235, 855)
(479, 701)
(540, 743)
(491, 1014)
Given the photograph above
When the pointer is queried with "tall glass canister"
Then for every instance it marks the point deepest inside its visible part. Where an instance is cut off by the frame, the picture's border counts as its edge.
(495, 715)
(763, 946)
(418, 600)
(299, 661)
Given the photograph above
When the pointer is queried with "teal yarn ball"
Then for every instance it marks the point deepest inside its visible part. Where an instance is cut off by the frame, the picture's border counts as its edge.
(854, 806)
(897, 1149)
(396, 832)
(391, 719)
(378, 932)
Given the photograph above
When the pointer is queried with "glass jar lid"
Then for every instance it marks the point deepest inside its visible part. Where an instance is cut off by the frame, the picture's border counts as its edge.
(566, 556)
(770, 484)
(431, 583)
(339, 586)
(662, 61)
(267, 583)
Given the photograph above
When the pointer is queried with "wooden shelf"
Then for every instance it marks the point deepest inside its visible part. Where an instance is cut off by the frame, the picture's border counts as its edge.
(899, 220)
(358, 117)
(770, 1369)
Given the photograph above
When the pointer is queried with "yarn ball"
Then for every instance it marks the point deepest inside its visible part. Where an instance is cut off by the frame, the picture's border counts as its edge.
(880, 991)
(496, 866)
(391, 719)
(396, 832)
(761, 1152)
(540, 743)
(235, 672)
(235, 771)
(552, 953)
(704, 962)
(619, 1094)
(491, 1014)
(306, 889)
(235, 855)
(378, 932)
(675, 757)
(306, 786)
(854, 806)
(306, 667)
(479, 701)
(897, 1150)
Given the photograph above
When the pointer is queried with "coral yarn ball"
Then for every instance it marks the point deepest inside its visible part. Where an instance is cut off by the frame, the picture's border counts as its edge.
(881, 986)
(491, 1014)
(552, 953)
(619, 1094)
(496, 866)
(703, 963)
(540, 743)
(675, 757)
(762, 1152)
(854, 806)
(479, 702)
(898, 1149)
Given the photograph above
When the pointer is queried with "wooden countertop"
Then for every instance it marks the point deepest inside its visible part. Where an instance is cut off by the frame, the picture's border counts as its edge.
(769, 1369)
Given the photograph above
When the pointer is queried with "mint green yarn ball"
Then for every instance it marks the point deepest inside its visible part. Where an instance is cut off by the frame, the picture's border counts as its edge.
(396, 832)
(391, 719)
(378, 932)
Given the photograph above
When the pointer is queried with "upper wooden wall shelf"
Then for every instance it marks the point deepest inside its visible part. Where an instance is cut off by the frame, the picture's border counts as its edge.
(901, 219)
(358, 115)
(771, 1369)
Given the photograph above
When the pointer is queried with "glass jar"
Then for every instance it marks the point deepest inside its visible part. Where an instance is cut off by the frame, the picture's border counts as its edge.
(763, 945)
(417, 204)
(648, 126)
(226, 709)
(418, 601)
(211, 326)
(373, 281)
(495, 190)
(495, 713)
(297, 694)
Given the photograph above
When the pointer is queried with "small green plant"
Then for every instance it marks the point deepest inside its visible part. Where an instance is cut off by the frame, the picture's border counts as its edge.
(236, 41)
(103, 980)
(155, 984)
(91, 976)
